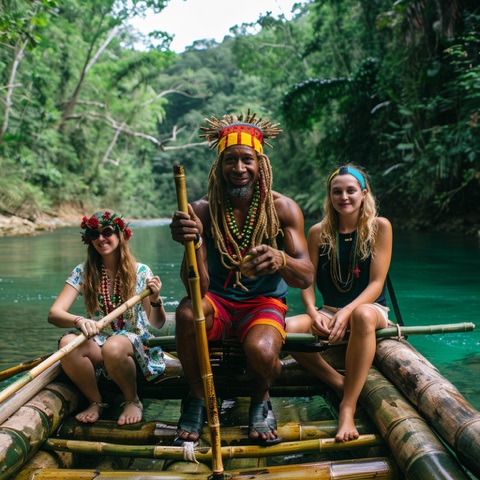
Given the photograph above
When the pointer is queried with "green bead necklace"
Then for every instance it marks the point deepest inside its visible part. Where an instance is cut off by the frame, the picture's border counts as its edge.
(243, 238)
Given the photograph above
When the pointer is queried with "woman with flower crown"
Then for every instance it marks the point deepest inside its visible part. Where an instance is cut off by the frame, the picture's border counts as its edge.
(351, 250)
(108, 278)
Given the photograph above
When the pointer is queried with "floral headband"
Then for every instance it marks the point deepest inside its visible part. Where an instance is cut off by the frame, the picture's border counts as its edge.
(103, 219)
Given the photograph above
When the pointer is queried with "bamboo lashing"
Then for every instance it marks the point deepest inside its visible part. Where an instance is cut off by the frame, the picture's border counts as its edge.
(200, 332)
(30, 375)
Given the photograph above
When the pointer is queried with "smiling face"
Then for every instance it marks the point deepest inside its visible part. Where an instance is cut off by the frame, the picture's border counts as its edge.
(240, 169)
(107, 242)
(346, 194)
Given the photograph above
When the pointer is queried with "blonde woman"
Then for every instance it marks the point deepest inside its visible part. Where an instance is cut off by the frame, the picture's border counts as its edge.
(350, 250)
(108, 278)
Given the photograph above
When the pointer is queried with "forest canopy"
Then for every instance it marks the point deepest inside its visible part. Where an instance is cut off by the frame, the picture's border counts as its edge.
(94, 114)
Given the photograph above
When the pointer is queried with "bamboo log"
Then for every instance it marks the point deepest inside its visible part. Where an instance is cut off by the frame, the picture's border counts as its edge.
(12, 404)
(206, 454)
(375, 468)
(29, 376)
(23, 433)
(441, 404)
(416, 448)
(200, 331)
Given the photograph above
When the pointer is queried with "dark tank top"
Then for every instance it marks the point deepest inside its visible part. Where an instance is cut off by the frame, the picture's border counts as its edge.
(330, 294)
(222, 279)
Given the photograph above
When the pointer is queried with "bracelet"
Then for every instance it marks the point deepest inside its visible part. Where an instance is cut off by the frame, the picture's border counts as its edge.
(156, 304)
(198, 242)
(284, 260)
(77, 319)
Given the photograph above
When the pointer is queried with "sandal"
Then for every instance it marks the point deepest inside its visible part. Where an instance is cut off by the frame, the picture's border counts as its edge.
(192, 419)
(262, 420)
(137, 405)
(93, 404)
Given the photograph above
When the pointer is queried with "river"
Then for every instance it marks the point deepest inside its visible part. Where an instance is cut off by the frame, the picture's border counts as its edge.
(435, 277)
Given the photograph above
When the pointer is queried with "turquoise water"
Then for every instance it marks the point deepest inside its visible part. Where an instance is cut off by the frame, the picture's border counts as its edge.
(436, 280)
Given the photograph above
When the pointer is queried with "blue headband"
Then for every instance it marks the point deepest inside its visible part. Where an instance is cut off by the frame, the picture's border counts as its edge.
(351, 171)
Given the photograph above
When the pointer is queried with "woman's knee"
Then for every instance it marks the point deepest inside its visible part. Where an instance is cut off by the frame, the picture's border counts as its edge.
(299, 324)
(364, 317)
(117, 347)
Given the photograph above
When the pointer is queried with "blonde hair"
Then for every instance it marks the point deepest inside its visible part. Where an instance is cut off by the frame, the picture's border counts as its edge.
(92, 275)
(267, 225)
(366, 227)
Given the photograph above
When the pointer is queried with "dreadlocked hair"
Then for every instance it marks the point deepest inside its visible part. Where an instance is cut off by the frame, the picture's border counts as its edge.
(266, 228)
(92, 275)
(367, 226)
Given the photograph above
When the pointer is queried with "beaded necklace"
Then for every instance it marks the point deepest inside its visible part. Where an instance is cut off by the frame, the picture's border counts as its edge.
(108, 303)
(243, 238)
(353, 271)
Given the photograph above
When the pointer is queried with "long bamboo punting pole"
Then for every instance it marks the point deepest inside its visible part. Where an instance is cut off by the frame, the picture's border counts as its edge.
(201, 332)
(29, 376)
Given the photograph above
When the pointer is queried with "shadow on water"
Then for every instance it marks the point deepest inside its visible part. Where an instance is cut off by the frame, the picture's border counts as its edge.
(435, 277)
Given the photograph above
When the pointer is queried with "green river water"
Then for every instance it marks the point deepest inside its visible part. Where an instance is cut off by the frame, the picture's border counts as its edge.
(436, 280)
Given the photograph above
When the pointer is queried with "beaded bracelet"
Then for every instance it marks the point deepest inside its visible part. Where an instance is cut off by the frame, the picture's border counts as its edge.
(77, 319)
(284, 260)
(157, 304)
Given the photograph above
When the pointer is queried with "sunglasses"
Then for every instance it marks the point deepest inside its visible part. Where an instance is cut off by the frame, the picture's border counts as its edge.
(95, 234)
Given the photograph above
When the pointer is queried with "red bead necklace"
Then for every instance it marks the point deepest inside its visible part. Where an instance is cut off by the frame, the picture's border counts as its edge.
(108, 303)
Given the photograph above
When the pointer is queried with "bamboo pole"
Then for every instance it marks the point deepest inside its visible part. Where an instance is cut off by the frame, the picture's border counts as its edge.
(22, 367)
(205, 454)
(30, 375)
(201, 332)
(294, 339)
(162, 433)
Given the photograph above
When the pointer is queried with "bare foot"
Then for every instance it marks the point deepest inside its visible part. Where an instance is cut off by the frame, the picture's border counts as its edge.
(132, 413)
(91, 414)
(346, 426)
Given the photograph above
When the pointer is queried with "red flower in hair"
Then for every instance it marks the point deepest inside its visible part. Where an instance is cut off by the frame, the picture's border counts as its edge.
(128, 233)
(84, 222)
(106, 215)
(118, 221)
(92, 222)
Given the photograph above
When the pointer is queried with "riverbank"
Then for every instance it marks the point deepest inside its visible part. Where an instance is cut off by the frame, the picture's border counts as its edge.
(18, 226)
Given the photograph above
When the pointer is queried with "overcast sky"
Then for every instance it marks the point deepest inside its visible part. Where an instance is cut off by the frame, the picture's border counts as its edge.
(190, 20)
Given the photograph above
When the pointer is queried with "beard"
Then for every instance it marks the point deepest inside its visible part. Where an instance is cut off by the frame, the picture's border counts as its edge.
(240, 192)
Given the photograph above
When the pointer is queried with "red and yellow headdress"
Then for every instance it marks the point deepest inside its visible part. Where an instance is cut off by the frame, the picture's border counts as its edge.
(232, 130)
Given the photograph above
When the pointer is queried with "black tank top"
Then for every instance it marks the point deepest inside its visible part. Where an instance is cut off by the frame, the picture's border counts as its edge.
(330, 294)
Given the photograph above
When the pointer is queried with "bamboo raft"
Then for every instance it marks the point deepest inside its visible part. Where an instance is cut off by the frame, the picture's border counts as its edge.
(413, 423)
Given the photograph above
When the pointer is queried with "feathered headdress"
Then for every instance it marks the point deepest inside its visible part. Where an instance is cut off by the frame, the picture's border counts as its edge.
(232, 130)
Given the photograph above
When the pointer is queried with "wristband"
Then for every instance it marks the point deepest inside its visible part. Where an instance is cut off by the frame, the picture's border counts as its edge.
(284, 260)
(198, 241)
(77, 319)
(156, 304)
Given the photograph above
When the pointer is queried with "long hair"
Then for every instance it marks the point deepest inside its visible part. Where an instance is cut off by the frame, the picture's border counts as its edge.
(92, 276)
(366, 227)
(267, 226)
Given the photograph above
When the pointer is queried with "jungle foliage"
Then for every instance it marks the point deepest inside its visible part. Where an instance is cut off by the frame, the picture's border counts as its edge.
(90, 119)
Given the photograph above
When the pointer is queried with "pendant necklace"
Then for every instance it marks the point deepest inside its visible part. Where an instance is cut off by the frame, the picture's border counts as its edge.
(353, 271)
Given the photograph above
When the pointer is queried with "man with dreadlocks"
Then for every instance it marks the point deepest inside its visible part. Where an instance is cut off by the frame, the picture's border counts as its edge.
(250, 246)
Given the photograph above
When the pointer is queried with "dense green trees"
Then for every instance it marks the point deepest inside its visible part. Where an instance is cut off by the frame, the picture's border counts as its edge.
(89, 119)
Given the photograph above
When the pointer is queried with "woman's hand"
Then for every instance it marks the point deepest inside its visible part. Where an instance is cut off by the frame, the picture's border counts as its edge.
(320, 324)
(338, 325)
(155, 285)
(88, 327)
